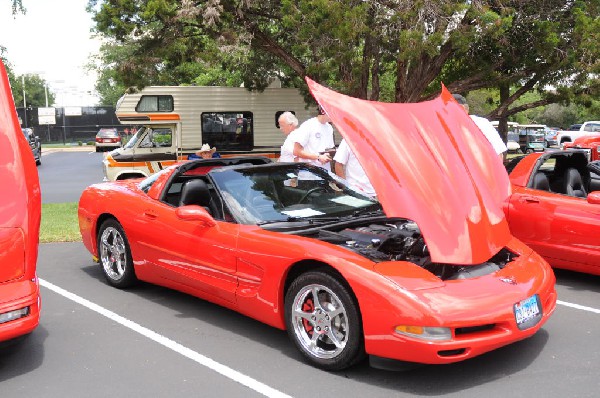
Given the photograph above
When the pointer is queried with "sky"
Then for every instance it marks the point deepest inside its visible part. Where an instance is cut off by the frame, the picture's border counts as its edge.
(53, 40)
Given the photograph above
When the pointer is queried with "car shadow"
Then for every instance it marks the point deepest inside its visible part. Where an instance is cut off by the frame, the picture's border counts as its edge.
(419, 379)
(21, 356)
(577, 281)
(434, 380)
(186, 306)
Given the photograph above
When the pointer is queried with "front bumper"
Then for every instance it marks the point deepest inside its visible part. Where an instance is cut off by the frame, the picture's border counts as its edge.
(473, 340)
(14, 296)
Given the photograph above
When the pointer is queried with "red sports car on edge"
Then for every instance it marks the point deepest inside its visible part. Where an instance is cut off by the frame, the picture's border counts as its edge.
(429, 273)
(555, 207)
(20, 214)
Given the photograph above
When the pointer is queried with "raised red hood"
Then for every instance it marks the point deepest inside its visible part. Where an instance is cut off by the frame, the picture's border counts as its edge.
(429, 163)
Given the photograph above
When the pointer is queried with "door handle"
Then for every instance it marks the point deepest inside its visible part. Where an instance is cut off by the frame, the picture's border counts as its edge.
(150, 215)
(530, 199)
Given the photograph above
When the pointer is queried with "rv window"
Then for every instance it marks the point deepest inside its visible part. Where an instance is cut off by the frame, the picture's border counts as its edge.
(155, 138)
(155, 103)
(277, 114)
(228, 130)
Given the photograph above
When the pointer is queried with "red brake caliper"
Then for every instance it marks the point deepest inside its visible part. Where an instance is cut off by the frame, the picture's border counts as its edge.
(308, 306)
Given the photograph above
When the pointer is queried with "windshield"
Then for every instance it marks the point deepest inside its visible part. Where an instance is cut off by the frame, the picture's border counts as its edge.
(135, 138)
(288, 192)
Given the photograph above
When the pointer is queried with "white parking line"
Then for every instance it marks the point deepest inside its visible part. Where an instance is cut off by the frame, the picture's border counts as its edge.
(579, 307)
(168, 343)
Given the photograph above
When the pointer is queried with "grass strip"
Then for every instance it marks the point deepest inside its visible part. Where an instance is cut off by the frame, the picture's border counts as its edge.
(59, 223)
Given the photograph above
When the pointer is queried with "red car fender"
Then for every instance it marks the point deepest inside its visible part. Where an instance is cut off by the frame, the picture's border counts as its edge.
(261, 292)
(20, 215)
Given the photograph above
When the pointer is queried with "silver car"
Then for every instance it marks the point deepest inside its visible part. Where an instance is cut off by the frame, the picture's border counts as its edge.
(108, 138)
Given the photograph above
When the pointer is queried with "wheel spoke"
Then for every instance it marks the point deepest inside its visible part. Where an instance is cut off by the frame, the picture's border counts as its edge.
(336, 312)
(303, 315)
(316, 300)
(334, 339)
(313, 340)
(120, 266)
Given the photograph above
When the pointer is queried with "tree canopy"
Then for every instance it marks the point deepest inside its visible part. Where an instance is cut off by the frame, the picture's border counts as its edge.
(35, 86)
(389, 50)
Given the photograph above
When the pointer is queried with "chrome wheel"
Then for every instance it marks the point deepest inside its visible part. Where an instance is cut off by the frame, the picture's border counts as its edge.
(320, 321)
(323, 321)
(113, 253)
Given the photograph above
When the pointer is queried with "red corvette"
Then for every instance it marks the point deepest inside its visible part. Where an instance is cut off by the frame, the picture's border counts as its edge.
(555, 207)
(20, 214)
(429, 273)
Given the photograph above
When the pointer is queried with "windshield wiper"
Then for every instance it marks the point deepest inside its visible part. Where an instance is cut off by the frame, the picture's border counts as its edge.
(367, 212)
(309, 220)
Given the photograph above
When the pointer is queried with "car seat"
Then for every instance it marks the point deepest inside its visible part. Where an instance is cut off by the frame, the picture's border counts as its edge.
(540, 181)
(573, 183)
(196, 192)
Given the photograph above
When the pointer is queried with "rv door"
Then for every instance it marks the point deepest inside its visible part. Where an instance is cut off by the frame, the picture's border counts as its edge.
(155, 148)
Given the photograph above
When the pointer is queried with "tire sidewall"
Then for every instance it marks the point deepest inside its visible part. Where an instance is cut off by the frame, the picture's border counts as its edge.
(128, 278)
(354, 350)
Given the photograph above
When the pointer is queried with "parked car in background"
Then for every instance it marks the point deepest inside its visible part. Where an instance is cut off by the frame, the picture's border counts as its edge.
(429, 273)
(585, 129)
(108, 138)
(550, 138)
(590, 144)
(20, 215)
(555, 208)
(34, 143)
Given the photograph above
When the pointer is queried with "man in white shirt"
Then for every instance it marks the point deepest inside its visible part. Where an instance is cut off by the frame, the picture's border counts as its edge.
(485, 126)
(311, 140)
(287, 124)
(348, 167)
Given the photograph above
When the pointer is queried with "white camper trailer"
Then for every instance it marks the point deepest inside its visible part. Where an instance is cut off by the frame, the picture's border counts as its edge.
(172, 123)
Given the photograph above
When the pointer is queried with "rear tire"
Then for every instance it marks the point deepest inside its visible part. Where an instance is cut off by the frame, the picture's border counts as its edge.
(323, 321)
(115, 255)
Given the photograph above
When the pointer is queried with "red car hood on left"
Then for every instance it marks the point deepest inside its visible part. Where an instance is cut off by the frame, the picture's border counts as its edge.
(428, 162)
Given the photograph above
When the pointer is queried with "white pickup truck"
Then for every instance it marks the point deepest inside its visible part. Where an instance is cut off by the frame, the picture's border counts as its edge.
(586, 128)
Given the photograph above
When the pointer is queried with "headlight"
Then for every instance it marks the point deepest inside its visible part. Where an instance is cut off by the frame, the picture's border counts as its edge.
(12, 315)
(425, 332)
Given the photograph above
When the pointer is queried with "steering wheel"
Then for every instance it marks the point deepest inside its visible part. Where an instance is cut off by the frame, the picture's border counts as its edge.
(310, 192)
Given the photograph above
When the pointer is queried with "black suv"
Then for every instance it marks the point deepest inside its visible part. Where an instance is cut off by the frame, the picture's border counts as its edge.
(34, 143)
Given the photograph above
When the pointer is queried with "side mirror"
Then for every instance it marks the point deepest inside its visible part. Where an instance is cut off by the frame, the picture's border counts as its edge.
(594, 197)
(195, 213)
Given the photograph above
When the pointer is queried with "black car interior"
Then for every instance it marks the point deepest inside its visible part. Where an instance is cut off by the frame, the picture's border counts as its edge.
(567, 173)
(190, 186)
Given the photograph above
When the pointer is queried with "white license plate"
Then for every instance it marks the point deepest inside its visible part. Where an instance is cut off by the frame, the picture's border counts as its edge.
(527, 312)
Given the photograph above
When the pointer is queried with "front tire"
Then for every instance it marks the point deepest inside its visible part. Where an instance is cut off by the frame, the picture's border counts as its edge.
(115, 255)
(323, 321)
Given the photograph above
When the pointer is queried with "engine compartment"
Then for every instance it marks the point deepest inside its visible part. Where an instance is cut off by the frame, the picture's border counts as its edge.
(401, 240)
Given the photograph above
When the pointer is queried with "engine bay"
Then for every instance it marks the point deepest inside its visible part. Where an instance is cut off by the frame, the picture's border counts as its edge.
(401, 240)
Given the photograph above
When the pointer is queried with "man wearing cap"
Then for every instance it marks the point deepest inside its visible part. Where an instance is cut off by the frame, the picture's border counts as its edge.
(485, 126)
(312, 139)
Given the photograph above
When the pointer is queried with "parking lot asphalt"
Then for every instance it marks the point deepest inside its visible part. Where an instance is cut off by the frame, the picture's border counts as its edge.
(97, 341)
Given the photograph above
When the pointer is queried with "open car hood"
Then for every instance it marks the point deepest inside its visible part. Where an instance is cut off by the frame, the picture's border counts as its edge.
(428, 162)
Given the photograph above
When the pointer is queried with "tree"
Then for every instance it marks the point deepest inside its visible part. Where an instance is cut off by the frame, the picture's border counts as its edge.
(393, 50)
(35, 90)
(17, 6)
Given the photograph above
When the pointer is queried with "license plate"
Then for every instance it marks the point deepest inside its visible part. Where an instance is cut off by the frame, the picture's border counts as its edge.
(107, 140)
(528, 312)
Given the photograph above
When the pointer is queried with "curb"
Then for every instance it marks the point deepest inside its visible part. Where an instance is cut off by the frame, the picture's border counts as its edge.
(83, 148)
